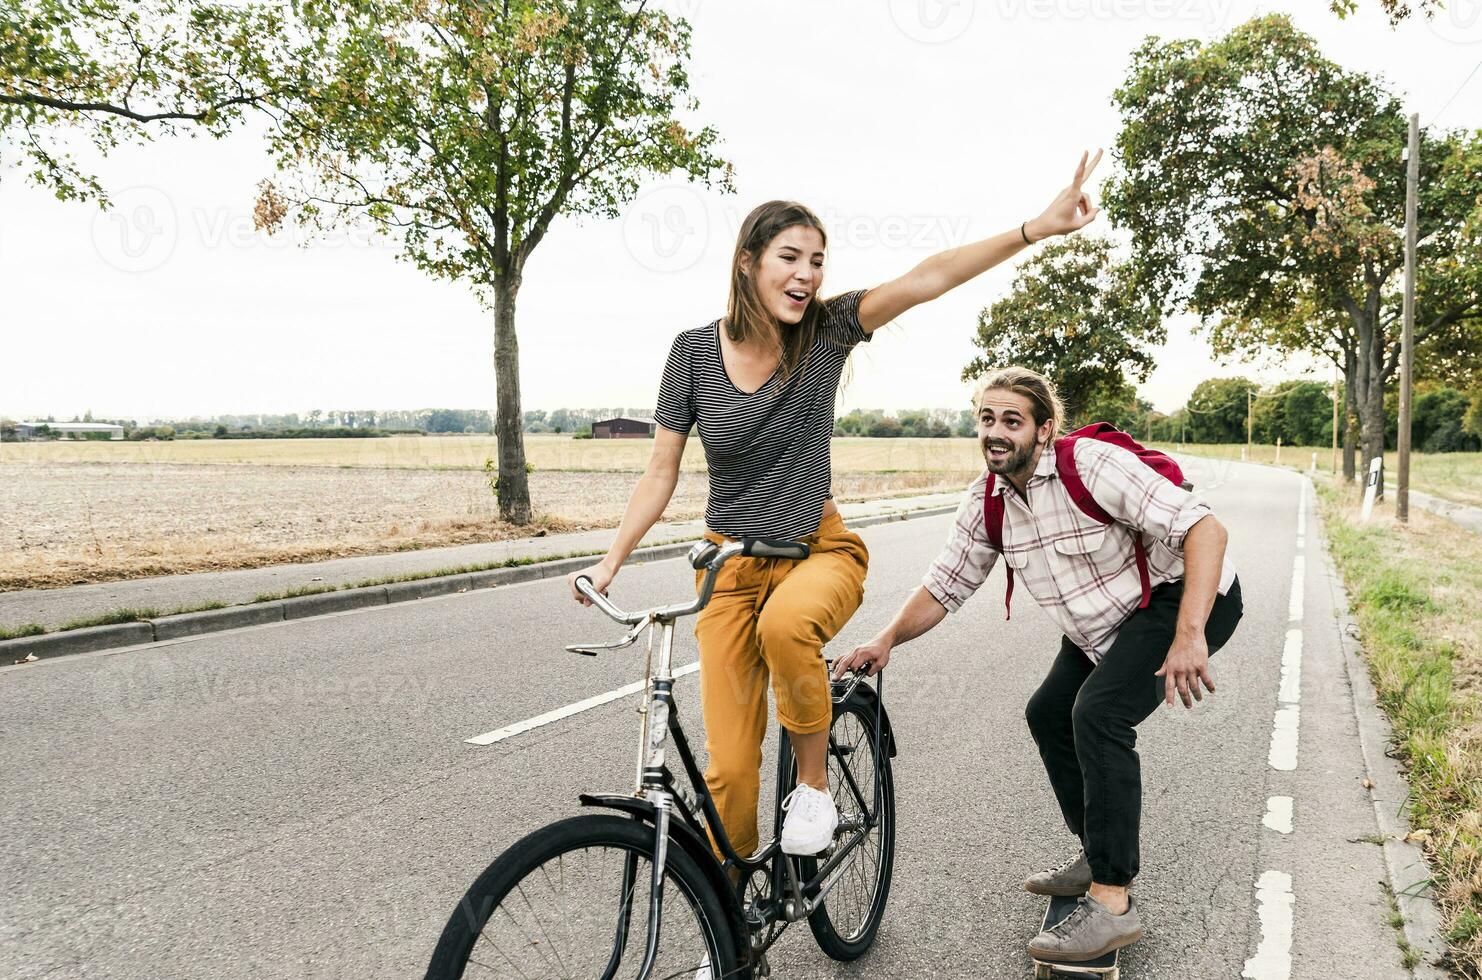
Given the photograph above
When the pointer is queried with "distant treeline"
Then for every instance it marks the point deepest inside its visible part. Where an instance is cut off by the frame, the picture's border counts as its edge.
(316, 424)
(577, 420)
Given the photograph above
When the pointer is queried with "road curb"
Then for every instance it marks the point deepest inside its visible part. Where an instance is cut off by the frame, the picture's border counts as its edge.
(93, 638)
(83, 640)
(1409, 873)
(212, 620)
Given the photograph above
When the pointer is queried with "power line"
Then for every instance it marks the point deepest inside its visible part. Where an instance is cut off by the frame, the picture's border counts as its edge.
(1463, 85)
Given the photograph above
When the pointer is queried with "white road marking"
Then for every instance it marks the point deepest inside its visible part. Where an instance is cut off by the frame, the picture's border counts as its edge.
(1299, 576)
(1291, 667)
(1273, 959)
(596, 701)
(1279, 814)
(1283, 755)
(1274, 898)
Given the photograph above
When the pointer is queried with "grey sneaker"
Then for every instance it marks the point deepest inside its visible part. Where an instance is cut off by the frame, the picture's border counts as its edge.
(1070, 879)
(1088, 932)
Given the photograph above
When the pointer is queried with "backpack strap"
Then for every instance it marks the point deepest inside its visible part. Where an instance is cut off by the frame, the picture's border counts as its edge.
(993, 524)
(1081, 497)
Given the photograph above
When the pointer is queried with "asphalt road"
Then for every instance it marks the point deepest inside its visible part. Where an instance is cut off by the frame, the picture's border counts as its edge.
(298, 801)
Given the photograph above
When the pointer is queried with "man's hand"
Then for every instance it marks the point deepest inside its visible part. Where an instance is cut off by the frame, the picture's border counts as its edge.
(873, 655)
(1186, 667)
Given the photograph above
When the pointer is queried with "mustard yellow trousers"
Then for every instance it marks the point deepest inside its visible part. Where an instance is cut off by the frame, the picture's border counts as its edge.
(768, 619)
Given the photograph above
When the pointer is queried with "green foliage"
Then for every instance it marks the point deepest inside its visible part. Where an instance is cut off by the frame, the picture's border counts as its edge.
(464, 129)
(1262, 189)
(1438, 420)
(1120, 406)
(1074, 315)
(910, 424)
(1217, 410)
(121, 71)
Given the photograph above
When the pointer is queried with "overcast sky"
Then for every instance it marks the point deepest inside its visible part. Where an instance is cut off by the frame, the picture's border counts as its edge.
(908, 125)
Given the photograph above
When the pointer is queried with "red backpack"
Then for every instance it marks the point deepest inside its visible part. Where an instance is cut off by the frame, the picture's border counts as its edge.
(1065, 466)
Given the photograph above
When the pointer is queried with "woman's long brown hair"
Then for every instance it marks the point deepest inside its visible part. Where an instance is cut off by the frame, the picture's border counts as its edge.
(747, 317)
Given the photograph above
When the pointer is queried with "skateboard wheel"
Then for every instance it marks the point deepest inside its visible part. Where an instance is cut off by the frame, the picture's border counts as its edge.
(1041, 972)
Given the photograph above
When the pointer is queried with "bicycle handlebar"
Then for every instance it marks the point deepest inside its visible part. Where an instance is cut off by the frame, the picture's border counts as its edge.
(707, 555)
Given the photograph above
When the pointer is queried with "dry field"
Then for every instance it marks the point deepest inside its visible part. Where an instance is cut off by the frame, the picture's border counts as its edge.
(545, 452)
(89, 512)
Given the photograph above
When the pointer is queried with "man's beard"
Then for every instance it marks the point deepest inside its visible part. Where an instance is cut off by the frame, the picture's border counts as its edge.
(1017, 459)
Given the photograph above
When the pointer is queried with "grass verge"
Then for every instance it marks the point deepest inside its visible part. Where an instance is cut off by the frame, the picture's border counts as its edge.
(1416, 593)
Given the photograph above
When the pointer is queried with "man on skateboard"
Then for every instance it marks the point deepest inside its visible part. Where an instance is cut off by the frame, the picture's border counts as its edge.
(1131, 567)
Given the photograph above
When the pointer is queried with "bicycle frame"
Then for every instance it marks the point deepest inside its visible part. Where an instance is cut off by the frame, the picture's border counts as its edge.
(789, 898)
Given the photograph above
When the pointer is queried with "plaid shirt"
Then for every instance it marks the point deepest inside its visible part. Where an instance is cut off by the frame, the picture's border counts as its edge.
(1082, 573)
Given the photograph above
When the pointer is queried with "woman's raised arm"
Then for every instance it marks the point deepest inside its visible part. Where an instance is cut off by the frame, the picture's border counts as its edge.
(1071, 210)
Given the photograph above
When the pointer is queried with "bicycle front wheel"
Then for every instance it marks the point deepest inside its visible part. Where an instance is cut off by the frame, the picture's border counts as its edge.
(862, 788)
(571, 900)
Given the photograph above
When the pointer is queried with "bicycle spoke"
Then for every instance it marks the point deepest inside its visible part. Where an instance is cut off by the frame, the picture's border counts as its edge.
(556, 921)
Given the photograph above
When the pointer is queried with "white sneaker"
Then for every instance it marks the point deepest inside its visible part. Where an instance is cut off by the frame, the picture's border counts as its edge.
(811, 821)
(703, 973)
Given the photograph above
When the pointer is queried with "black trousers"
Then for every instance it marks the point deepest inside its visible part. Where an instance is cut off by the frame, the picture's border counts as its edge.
(1084, 718)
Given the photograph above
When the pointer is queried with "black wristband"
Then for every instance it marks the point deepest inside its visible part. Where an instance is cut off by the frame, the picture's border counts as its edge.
(1023, 235)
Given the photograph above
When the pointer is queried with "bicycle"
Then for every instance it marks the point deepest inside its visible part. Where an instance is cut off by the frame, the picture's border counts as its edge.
(589, 873)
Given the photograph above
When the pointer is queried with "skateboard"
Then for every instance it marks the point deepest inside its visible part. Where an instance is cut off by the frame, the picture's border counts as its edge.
(1101, 968)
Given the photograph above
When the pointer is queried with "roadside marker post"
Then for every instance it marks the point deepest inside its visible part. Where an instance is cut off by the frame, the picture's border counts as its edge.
(1372, 486)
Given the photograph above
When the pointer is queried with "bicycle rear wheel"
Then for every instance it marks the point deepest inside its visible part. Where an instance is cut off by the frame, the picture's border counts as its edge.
(571, 901)
(846, 923)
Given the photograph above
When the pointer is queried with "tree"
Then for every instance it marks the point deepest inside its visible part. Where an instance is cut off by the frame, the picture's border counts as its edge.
(122, 71)
(465, 128)
(1118, 405)
(1307, 409)
(1073, 315)
(1395, 10)
(1263, 190)
(1217, 410)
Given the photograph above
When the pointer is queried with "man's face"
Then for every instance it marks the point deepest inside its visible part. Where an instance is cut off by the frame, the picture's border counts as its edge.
(1007, 433)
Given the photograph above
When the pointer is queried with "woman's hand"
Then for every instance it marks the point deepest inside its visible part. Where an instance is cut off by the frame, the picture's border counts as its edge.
(873, 655)
(1071, 210)
(601, 578)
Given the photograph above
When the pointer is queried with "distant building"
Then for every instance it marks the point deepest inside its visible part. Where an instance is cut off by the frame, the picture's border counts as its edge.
(623, 427)
(69, 430)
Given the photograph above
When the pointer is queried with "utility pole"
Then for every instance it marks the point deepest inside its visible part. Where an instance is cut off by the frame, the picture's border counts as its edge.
(1248, 427)
(1407, 345)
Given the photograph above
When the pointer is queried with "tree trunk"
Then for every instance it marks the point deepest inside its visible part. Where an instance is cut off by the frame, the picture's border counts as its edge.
(513, 483)
(1372, 426)
(1349, 436)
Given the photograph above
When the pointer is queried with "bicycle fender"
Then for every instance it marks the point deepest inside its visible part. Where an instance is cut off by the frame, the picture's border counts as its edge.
(871, 701)
(696, 847)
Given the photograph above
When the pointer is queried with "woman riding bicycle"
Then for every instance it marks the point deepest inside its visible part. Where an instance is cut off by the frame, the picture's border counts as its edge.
(759, 385)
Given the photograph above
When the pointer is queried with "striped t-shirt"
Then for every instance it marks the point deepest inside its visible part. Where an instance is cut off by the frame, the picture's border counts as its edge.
(767, 451)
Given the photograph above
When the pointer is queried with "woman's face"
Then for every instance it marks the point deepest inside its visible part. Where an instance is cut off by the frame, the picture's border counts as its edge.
(789, 272)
